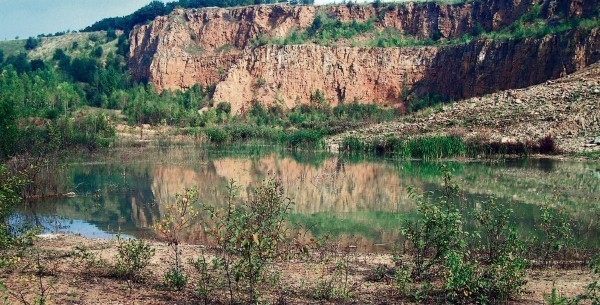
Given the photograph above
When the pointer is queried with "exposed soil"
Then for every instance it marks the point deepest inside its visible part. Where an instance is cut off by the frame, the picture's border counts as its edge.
(74, 280)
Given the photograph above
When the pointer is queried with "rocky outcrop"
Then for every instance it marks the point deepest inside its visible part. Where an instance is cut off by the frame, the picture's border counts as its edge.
(214, 46)
(566, 109)
(488, 66)
(290, 74)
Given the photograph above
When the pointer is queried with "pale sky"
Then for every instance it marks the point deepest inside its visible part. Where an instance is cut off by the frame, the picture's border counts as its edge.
(26, 18)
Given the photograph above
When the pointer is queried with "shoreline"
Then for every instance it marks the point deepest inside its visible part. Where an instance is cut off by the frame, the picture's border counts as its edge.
(76, 281)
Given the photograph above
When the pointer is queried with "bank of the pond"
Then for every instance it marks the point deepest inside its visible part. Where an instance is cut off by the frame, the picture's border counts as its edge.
(78, 270)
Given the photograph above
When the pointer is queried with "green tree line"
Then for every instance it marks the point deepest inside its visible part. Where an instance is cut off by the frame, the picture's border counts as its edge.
(158, 8)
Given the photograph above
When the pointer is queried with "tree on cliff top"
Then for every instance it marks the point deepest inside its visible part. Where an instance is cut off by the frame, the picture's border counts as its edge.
(157, 8)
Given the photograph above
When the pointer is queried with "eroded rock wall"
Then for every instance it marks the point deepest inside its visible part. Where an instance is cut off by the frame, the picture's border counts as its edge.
(214, 46)
(290, 74)
(488, 66)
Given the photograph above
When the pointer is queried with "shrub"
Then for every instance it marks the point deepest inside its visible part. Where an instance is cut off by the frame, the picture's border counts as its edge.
(557, 233)
(261, 82)
(178, 217)
(593, 289)
(11, 186)
(437, 241)
(303, 137)
(437, 231)
(31, 43)
(250, 237)
(504, 271)
(97, 52)
(133, 256)
(175, 279)
(209, 278)
(217, 135)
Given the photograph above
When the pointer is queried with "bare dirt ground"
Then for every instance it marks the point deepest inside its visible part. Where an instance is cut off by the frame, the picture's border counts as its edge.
(72, 279)
(567, 109)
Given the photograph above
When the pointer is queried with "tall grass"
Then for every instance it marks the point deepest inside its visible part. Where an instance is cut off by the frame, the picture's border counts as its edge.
(435, 147)
(237, 133)
(439, 147)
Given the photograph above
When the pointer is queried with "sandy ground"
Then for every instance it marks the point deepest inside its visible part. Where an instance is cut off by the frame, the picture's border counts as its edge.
(70, 279)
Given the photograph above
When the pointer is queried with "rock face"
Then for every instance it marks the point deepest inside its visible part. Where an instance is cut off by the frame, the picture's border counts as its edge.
(214, 46)
(566, 109)
(292, 73)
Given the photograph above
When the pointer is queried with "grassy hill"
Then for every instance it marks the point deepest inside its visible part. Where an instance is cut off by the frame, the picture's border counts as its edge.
(73, 44)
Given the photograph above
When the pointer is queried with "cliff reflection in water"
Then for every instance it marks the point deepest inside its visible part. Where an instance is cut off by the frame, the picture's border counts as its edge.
(354, 201)
(331, 188)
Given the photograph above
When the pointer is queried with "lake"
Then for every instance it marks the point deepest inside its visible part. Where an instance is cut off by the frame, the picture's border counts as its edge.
(353, 200)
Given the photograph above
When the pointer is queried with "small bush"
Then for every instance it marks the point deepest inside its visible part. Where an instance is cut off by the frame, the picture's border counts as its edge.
(31, 43)
(178, 217)
(217, 135)
(593, 289)
(133, 256)
(175, 279)
(557, 233)
(250, 237)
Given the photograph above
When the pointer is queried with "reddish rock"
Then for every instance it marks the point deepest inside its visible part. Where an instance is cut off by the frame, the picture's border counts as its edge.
(214, 46)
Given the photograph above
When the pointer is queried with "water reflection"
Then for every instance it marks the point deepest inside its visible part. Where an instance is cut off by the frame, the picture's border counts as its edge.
(358, 201)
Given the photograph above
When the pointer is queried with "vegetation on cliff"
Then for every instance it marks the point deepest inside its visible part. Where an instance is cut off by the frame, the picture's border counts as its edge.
(158, 8)
(327, 30)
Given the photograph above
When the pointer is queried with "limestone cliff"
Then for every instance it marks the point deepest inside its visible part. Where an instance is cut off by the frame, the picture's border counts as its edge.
(214, 46)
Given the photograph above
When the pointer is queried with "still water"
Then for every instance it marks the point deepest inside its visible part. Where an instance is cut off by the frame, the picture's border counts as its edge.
(352, 200)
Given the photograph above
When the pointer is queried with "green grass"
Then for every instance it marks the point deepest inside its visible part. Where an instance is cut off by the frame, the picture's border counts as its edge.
(12, 47)
(435, 147)
(592, 155)
(323, 31)
(440, 147)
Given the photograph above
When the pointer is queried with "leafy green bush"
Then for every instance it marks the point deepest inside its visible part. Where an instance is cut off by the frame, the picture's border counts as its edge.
(250, 237)
(303, 137)
(210, 278)
(593, 289)
(175, 279)
(10, 196)
(438, 241)
(217, 135)
(179, 216)
(133, 256)
(437, 232)
(557, 233)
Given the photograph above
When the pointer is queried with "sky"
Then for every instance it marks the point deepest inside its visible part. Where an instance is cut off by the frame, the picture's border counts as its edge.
(25, 18)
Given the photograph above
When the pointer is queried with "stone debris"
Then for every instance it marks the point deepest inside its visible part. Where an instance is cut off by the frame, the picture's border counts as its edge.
(567, 109)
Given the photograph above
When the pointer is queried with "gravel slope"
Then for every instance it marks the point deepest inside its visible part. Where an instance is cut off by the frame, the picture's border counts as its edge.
(568, 109)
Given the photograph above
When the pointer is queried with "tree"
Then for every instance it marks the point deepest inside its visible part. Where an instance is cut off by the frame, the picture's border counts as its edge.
(111, 35)
(97, 52)
(9, 132)
(84, 69)
(37, 64)
(31, 43)
(1, 56)
(19, 63)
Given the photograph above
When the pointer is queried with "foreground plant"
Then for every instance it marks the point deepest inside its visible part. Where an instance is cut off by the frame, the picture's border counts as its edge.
(133, 256)
(593, 289)
(557, 233)
(250, 237)
(439, 246)
(178, 217)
